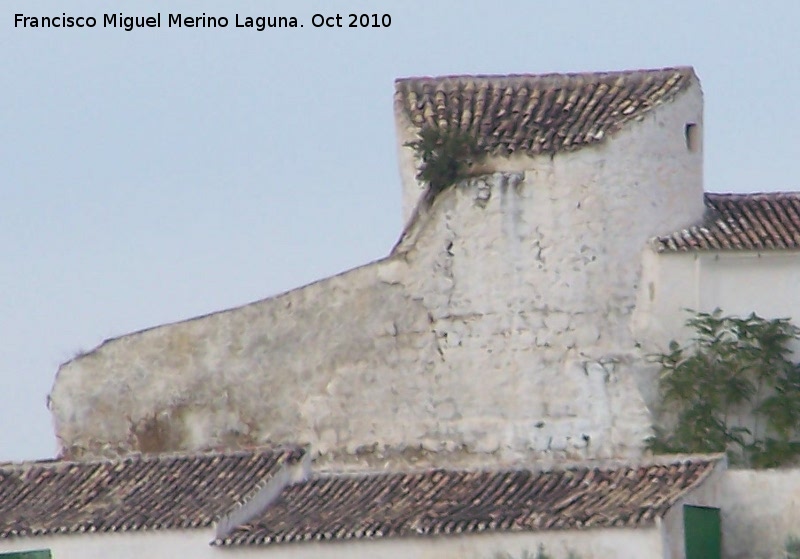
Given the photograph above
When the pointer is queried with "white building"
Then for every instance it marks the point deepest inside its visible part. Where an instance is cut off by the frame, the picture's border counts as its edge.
(251, 504)
(743, 257)
(163, 506)
(666, 510)
(507, 327)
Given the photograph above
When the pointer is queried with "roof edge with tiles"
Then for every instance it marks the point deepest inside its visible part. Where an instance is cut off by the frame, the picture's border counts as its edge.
(537, 113)
(442, 502)
(761, 221)
(264, 495)
(139, 492)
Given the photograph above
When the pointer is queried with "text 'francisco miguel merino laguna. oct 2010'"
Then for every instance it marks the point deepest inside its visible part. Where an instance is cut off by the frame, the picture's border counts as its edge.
(204, 21)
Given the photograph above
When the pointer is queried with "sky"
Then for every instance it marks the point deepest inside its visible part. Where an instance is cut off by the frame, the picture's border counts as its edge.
(159, 174)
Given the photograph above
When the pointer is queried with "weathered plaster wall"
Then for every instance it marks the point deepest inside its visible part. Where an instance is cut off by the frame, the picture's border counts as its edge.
(760, 510)
(161, 544)
(588, 544)
(324, 364)
(640, 543)
(736, 282)
(499, 326)
(708, 494)
(739, 283)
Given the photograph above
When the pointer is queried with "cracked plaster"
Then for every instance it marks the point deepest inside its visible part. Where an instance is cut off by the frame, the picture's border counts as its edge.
(498, 329)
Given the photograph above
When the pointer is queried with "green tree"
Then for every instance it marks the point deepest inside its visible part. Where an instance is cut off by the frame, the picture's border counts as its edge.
(732, 388)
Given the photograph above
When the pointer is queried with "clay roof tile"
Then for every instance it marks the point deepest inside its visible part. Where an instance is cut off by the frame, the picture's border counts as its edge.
(537, 113)
(761, 221)
(380, 505)
(132, 493)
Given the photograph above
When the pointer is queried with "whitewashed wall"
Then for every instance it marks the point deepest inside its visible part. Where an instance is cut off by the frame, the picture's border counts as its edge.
(737, 282)
(499, 328)
(162, 544)
(760, 510)
(636, 543)
(708, 494)
(588, 544)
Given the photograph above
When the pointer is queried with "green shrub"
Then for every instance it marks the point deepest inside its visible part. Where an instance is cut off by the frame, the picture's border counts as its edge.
(732, 365)
(793, 548)
(446, 157)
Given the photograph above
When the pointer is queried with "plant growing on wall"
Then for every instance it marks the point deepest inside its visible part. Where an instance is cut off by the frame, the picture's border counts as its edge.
(540, 554)
(792, 548)
(446, 157)
(732, 388)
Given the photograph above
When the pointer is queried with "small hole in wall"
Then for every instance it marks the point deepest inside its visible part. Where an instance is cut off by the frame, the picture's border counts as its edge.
(692, 133)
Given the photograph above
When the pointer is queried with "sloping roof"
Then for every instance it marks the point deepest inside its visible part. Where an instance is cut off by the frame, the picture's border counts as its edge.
(132, 493)
(439, 502)
(537, 113)
(741, 222)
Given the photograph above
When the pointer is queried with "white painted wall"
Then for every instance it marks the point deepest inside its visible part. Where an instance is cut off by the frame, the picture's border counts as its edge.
(736, 282)
(760, 510)
(743, 283)
(160, 544)
(708, 494)
(639, 543)
(588, 544)
(499, 330)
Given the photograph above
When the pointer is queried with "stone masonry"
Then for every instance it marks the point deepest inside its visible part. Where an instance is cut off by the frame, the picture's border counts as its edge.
(499, 327)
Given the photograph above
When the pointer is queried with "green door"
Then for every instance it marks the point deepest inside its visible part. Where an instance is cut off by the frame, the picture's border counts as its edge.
(702, 532)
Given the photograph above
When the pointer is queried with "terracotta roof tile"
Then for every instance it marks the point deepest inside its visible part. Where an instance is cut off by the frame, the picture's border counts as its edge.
(761, 221)
(131, 493)
(537, 113)
(341, 507)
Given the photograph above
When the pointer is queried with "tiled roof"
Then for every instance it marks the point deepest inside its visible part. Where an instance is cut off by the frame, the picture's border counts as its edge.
(741, 222)
(341, 507)
(132, 493)
(537, 113)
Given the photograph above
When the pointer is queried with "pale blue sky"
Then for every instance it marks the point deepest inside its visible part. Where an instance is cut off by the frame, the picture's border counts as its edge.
(156, 175)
